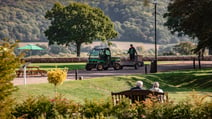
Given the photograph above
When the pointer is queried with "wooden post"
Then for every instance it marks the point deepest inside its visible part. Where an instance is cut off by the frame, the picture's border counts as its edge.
(76, 74)
(199, 60)
(194, 63)
(145, 68)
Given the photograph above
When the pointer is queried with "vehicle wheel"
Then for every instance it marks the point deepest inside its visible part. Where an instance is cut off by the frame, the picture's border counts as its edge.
(88, 67)
(99, 67)
(117, 66)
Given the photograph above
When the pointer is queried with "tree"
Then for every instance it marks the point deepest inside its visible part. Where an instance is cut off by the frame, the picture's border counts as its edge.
(78, 23)
(192, 18)
(8, 64)
(184, 48)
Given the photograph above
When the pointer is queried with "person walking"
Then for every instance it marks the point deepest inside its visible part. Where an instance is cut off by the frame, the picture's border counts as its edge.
(132, 52)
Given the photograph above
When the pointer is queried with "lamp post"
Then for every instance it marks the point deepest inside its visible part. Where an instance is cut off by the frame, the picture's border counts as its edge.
(155, 60)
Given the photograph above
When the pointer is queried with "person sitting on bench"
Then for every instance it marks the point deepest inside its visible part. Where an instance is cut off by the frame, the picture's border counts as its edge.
(156, 88)
(139, 86)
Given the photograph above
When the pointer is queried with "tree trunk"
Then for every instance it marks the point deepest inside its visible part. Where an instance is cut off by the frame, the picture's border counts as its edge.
(78, 49)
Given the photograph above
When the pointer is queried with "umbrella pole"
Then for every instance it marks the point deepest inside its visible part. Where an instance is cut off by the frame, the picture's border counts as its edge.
(25, 75)
(31, 55)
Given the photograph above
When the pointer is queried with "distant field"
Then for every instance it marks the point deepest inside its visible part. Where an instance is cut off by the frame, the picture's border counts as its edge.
(126, 45)
(118, 48)
(120, 45)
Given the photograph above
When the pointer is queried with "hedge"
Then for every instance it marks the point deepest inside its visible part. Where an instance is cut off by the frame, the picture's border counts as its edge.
(84, 59)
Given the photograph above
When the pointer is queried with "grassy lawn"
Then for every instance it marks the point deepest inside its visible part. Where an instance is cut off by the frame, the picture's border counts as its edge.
(178, 84)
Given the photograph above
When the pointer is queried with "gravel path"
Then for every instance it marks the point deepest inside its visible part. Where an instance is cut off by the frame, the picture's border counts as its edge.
(126, 71)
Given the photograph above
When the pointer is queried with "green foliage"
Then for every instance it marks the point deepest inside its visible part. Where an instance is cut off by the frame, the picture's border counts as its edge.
(62, 108)
(78, 23)
(33, 108)
(123, 110)
(43, 107)
(97, 108)
(184, 17)
(39, 52)
(166, 50)
(134, 21)
(56, 49)
(185, 48)
(8, 64)
(182, 48)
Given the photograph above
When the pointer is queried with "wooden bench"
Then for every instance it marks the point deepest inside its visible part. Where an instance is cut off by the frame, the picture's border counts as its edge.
(138, 95)
(31, 71)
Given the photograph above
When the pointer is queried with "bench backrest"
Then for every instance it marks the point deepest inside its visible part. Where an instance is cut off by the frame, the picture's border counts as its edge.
(137, 95)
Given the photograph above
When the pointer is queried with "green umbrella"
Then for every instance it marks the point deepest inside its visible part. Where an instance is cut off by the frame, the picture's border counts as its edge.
(30, 47)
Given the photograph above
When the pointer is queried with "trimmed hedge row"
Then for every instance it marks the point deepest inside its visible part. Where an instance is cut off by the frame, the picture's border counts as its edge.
(55, 60)
(84, 59)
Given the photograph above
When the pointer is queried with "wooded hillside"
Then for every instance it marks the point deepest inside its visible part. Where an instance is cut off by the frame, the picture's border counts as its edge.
(24, 19)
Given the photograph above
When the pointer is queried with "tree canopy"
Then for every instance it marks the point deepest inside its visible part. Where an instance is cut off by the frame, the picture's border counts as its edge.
(192, 18)
(24, 19)
(78, 23)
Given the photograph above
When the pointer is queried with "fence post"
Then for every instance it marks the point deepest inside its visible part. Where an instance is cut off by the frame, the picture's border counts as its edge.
(199, 58)
(145, 68)
(76, 74)
(194, 63)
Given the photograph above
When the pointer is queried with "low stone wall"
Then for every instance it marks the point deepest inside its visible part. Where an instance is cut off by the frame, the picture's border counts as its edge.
(84, 59)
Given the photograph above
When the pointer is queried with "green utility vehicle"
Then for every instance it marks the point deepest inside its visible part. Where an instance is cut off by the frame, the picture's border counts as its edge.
(100, 58)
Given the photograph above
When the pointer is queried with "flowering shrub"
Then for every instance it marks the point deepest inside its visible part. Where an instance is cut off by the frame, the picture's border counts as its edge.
(57, 76)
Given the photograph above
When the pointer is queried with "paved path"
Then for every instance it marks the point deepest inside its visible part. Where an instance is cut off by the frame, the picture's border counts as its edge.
(111, 72)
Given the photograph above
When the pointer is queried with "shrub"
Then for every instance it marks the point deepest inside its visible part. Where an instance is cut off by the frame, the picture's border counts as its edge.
(33, 108)
(124, 110)
(43, 107)
(59, 107)
(57, 77)
(97, 108)
(8, 64)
